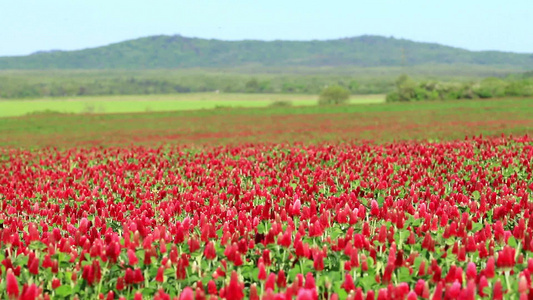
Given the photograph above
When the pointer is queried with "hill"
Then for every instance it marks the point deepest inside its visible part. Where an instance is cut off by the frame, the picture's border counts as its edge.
(169, 52)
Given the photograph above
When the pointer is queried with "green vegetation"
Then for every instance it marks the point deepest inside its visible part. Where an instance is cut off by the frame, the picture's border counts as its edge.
(163, 52)
(408, 89)
(381, 122)
(300, 80)
(334, 94)
(155, 103)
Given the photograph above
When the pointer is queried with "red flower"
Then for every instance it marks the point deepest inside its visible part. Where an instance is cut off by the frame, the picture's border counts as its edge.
(437, 294)
(309, 281)
(253, 292)
(506, 258)
(110, 295)
(270, 282)
(471, 271)
(159, 277)
(281, 281)
(187, 294)
(497, 294)
(285, 239)
(374, 208)
(262, 272)
(212, 287)
(56, 283)
(318, 261)
(489, 269)
(306, 294)
(348, 284)
(194, 244)
(29, 293)
(12, 286)
(129, 278)
(132, 257)
(523, 286)
(209, 251)
(234, 291)
(412, 296)
(120, 284)
(33, 266)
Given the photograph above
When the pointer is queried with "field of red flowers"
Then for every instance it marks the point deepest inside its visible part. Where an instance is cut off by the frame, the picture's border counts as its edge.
(406, 220)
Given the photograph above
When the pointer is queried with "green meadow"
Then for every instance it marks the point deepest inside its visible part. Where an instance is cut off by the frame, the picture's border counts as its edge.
(161, 103)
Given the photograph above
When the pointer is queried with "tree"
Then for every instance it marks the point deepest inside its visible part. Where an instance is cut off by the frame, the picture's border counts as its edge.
(334, 95)
(252, 86)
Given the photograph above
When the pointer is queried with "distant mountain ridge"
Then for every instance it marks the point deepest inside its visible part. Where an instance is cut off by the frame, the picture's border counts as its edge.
(170, 52)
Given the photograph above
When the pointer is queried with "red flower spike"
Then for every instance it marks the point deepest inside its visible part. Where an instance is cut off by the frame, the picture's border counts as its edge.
(212, 288)
(522, 285)
(483, 283)
(497, 293)
(110, 295)
(34, 266)
(306, 294)
(234, 291)
(160, 272)
(29, 293)
(120, 284)
(471, 271)
(262, 272)
(382, 294)
(489, 269)
(412, 296)
(348, 284)
(209, 251)
(270, 282)
(132, 257)
(309, 281)
(318, 261)
(56, 283)
(12, 286)
(370, 295)
(253, 292)
(187, 294)
(281, 280)
(437, 294)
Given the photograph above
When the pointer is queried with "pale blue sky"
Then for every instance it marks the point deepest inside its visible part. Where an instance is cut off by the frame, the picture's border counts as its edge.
(30, 25)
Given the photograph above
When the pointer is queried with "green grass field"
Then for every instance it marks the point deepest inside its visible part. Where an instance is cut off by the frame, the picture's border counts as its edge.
(160, 103)
(378, 122)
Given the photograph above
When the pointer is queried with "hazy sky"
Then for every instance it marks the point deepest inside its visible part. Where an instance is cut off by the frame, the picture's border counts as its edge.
(30, 25)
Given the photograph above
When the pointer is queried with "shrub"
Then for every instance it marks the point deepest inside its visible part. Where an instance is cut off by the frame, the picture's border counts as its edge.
(392, 97)
(334, 95)
(280, 103)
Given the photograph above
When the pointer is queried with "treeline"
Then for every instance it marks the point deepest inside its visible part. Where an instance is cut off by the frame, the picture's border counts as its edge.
(70, 83)
(40, 84)
(408, 89)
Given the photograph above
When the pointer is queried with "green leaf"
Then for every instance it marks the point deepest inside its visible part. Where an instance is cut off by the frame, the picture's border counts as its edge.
(476, 227)
(341, 293)
(63, 291)
(512, 242)
(403, 275)
(476, 195)
(417, 262)
(450, 241)
(367, 282)
(37, 245)
(192, 279)
(292, 273)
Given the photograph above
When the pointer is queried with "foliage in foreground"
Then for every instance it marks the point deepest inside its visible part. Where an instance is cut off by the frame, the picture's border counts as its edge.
(397, 221)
